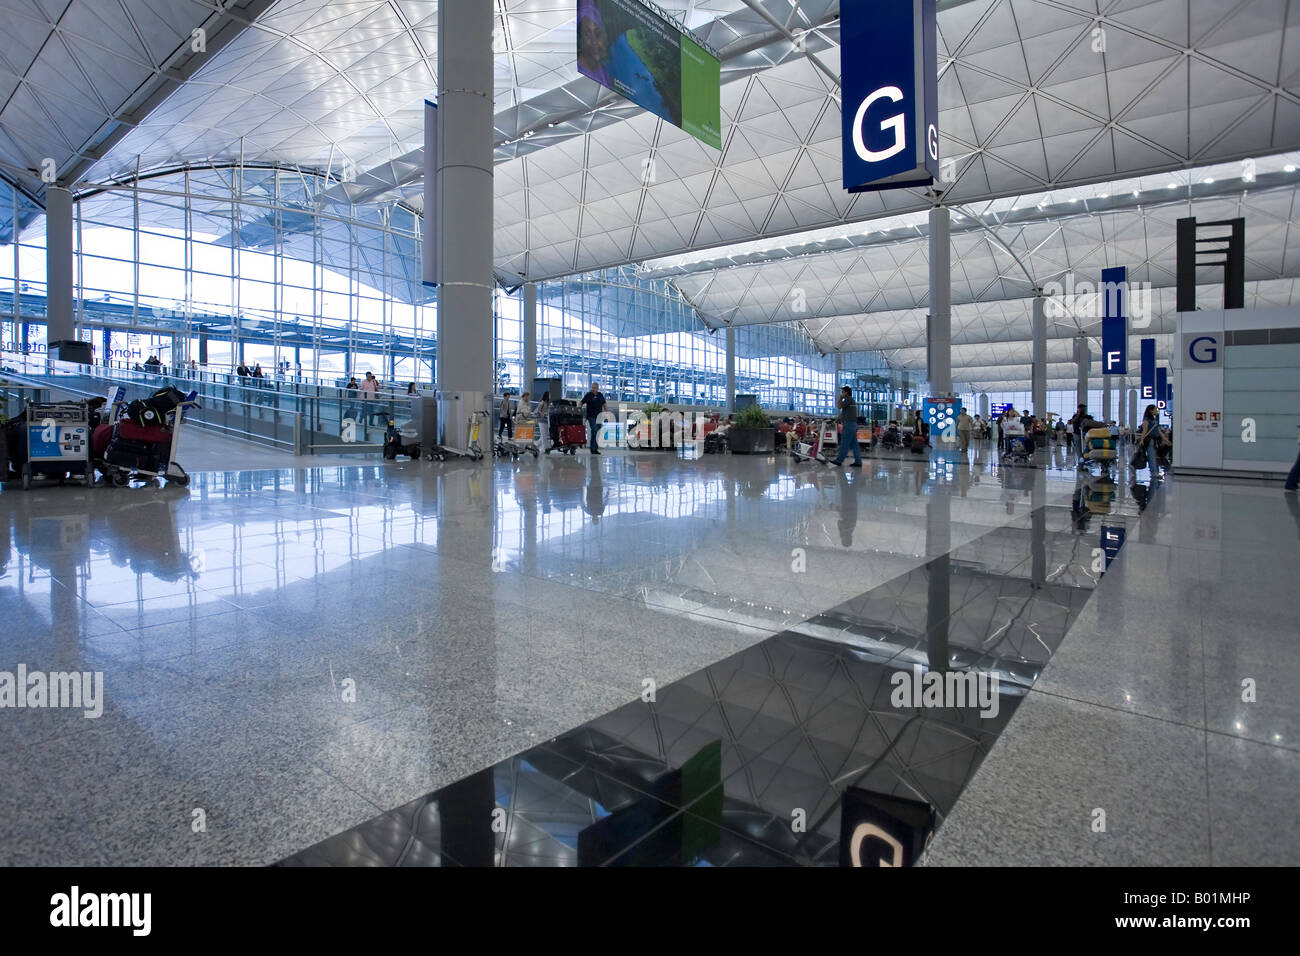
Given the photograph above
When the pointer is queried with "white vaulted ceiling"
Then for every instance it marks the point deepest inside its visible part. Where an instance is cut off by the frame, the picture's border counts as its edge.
(1061, 101)
(75, 75)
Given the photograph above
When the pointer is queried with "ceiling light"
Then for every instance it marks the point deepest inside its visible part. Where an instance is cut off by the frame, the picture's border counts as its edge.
(1104, 196)
(1136, 193)
(1289, 168)
(1173, 185)
(1207, 180)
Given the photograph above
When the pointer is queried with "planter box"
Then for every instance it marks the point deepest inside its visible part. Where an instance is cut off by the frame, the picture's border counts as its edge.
(751, 441)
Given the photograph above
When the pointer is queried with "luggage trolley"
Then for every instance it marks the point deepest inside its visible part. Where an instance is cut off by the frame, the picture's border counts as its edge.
(809, 446)
(567, 427)
(524, 440)
(58, 442)
(143, 441)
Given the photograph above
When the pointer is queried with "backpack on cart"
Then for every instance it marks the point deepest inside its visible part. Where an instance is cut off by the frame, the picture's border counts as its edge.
(153, 411)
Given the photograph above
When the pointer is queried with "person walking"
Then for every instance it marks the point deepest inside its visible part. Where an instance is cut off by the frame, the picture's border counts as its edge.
(848, 428)
(594, 402)
(544, 421)
(369, 393)
(965, 425)
(1076, 425)
(505, 417)
(1148, 440)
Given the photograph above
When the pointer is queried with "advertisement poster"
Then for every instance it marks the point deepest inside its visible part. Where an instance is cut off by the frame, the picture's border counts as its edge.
(627, 47)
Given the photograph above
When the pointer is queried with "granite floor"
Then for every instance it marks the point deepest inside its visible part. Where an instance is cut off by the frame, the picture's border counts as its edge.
(291, 654)
(1170, 708)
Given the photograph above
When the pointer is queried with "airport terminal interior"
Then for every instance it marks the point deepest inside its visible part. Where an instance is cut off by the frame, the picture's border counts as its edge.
(615, 433)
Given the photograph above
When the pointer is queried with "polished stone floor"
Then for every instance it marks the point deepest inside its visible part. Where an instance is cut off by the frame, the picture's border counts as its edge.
(295, 656)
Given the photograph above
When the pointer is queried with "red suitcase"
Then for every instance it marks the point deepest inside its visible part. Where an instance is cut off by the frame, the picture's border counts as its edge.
(573, 435)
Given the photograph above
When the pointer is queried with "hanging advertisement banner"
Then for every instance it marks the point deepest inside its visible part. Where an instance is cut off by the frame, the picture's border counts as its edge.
(1148, 368)
(889, 94)
(1114, 321)
(625, 46)
(1162, 387)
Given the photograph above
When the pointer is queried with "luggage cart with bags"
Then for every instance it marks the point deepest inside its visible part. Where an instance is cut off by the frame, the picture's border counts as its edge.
(524, 440)
(568, 427)
(144, 440)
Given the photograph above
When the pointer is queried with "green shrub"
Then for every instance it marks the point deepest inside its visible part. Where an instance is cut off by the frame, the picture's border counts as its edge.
(753, 417)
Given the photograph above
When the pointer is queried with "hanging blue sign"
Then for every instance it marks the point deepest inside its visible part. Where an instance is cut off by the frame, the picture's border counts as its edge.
(889, 93)
(1114, 321)
(1162, 387)
(1148, 370)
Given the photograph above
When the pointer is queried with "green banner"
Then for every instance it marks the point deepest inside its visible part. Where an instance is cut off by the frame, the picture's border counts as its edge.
(701, 93)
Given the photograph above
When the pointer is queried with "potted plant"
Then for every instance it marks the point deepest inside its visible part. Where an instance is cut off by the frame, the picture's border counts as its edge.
(752, 433)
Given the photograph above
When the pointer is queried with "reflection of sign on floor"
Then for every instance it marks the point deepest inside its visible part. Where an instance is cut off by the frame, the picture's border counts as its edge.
(881, 830)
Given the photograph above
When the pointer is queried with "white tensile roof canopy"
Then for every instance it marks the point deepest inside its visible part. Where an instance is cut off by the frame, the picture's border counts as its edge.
(1077, 131)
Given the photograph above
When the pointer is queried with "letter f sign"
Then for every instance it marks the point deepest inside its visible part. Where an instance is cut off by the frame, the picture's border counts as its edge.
(894, 123)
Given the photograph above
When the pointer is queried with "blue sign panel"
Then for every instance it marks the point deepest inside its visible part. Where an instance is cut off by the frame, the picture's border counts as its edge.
(1162, 387)
(1114, 321)
(1112, 539)
(890, 93)
(941, 415)
(1148, 393)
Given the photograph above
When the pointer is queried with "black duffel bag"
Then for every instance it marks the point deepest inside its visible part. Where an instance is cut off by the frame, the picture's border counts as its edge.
(138, 455)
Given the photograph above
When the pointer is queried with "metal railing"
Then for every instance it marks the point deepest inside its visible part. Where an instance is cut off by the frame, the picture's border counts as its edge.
(300, 417)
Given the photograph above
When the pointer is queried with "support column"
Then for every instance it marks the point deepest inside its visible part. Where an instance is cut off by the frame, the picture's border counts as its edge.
(463, 233)
(1082, 356)
(1133, 408)
(731, 370)
(939, 326)
(1105, 398)
(984, 405)
(1038, 370)
(530, 337)
(60, 323)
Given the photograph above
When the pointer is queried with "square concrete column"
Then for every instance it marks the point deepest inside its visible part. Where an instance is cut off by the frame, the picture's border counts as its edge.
(60, 319)
(463, 231)
(939, 324)
(731, 370)
(1083, 356)
(530, 336)
(1038, 368)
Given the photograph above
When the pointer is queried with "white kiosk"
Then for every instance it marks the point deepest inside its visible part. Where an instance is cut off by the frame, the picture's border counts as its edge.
(1237, 392)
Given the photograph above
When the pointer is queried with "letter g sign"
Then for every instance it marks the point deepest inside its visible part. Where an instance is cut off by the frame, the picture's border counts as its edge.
(1203, 350)
(894, 123)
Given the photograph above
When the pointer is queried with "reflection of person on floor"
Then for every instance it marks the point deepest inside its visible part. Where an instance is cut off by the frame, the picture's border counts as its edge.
(595, 503)
(848, 509)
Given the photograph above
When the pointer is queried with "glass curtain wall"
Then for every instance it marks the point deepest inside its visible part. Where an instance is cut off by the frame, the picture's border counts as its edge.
(223, 265)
